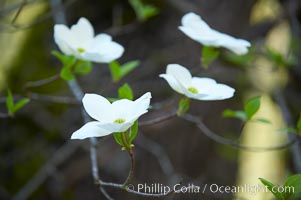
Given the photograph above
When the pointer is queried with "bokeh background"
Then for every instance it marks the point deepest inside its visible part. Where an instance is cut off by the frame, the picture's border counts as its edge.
(38, 160)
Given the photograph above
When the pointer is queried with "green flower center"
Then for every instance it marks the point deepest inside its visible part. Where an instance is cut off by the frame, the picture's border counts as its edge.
(193, 90)
(119, 121)
(81, 50)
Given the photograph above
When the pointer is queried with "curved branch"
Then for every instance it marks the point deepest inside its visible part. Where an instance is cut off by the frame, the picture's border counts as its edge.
(225, 141)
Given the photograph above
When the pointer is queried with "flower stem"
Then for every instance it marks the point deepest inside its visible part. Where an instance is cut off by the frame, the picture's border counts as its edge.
(124, 138)
(128, 179)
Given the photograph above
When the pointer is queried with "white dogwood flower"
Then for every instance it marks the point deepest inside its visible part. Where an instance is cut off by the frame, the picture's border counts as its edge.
(118, 116)
(180, 80)
(81, 42)
(197, 29)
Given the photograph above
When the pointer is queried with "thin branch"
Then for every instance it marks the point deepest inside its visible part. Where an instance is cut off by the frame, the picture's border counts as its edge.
(59, 18)
(131, 173)
(41, 82)
(158, 151)
(232, 143)
(159, 119)
(52, 99)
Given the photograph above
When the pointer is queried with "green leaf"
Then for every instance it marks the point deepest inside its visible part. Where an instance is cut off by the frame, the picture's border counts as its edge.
(10, 102)
(239, 114)
(294, 182)
(143, 11)
(270, 186)
(262, 120)
(125, 92)
(251, 107)
(83, 67)
(117, 137)
(67, 61)
(20, 104)
(67, 74)
(209, 54)
(115, 70)
(133, 132)
(299, 125)
(119, 71)
(14, 107)
(128, 67)
(183, 106)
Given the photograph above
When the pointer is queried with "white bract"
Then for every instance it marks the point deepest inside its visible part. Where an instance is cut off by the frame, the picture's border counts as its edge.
(197, 29)
(81, 42)
(180, 80)
(118, 116)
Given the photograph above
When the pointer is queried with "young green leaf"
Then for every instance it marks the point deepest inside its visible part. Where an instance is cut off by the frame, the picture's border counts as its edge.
(143, 11)
(183, 106)
(293, 187)
(128, 67)
(239, 114)
(66, 74)
(117, 137)
(20, 104)
(14, 107)
(83, 67)
(133, 132)
(10, 103)
(299, 125)
(115, 71)
(67, 61)
(125, 92)
(272, 187)
(251, 107)
(119, 71)
(209, 54)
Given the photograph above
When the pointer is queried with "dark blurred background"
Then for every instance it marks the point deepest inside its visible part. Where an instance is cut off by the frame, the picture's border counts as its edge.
(37, 155)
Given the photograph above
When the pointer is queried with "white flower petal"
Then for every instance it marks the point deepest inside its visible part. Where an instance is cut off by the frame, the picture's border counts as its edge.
(197, 29)
(140, 107)
(98, 107)
(83, 32)
(103, 37)
(116, 127)
(63, 38)
(219, 92)
(131, 110)
(105, 52)
(194, 21)
(90, 129)
(180, 73)
(142, 103)
(201, 82)
(173, 83)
